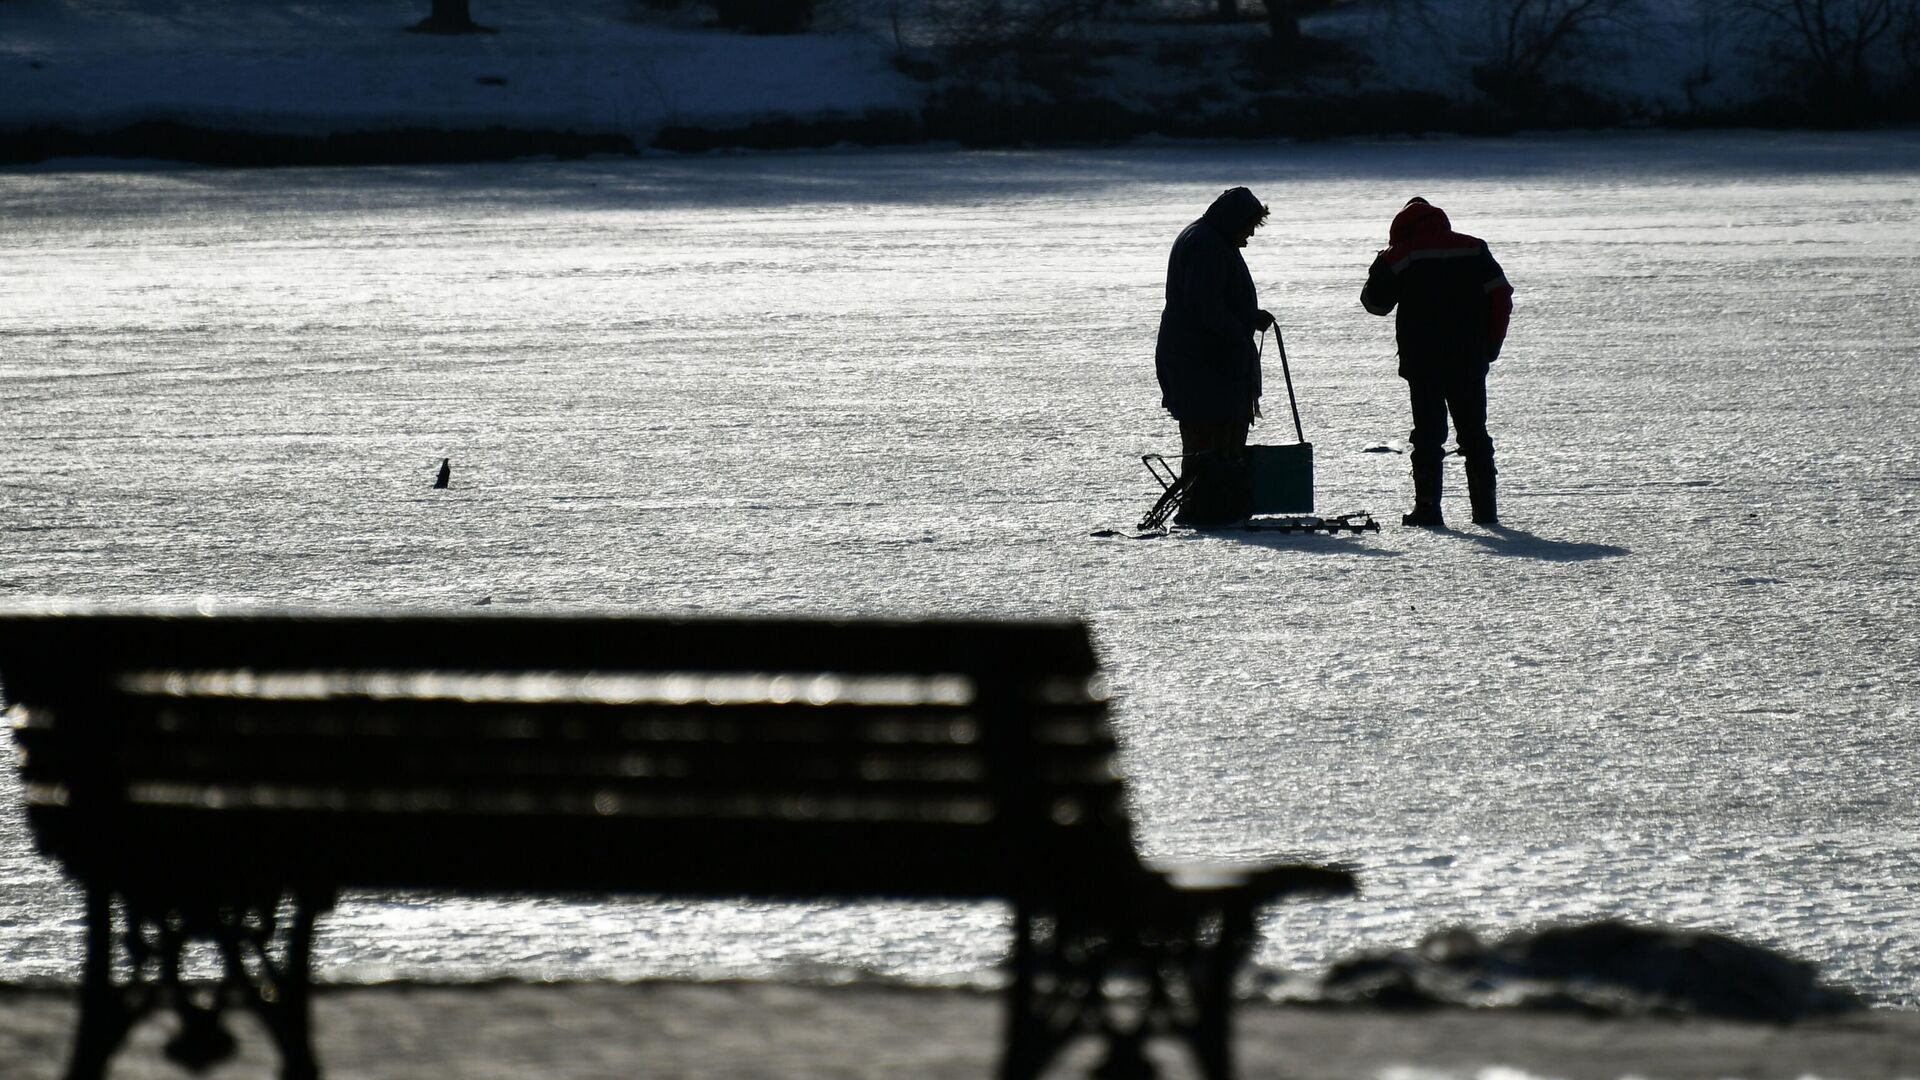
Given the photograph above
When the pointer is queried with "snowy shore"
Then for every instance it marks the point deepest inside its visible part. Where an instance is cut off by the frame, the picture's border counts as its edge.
(740, 1031)
(344, 83)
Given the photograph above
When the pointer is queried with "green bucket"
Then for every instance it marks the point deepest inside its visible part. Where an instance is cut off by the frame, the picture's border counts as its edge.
(1281, 478)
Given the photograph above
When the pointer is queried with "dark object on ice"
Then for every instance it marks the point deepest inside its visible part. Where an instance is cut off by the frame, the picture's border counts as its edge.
(1281, 478)
(1379, 448)
(450, 17)
(446, 471)
(765, 16)
(221, 777)
(1608, 967)
(1355, 523)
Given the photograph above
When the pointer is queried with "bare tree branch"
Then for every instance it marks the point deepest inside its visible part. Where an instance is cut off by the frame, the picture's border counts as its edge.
(1535, 33)
(1834, 38)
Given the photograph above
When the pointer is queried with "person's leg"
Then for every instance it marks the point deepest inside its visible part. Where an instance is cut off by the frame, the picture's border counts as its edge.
(1467, 399)
(1429, 436)
(1211, 453)
(1198, 439)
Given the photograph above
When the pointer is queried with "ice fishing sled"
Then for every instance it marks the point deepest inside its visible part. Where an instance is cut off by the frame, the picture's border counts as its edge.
(1276, 485)
(1258, 489)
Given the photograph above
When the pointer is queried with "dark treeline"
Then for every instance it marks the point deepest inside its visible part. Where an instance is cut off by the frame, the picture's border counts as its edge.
(1055, 72)
(1808, 62)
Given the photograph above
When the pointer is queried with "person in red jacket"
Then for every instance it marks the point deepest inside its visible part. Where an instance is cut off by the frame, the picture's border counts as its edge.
(1454, 304)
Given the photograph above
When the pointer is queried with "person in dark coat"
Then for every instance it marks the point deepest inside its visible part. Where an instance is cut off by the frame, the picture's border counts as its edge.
(1205, 358)
(1454, 304)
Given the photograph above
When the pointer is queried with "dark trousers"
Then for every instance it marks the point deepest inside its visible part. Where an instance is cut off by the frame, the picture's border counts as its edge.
(1226, 439)
(1213, 455)
(1464, 396)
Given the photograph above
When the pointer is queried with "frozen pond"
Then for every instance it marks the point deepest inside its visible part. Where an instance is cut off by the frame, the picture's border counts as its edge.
(1679, 686)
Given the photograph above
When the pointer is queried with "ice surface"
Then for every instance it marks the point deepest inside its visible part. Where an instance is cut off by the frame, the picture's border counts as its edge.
(1678, 686)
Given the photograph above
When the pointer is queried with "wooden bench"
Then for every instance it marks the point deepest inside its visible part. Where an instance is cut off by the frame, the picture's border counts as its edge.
(221, 777)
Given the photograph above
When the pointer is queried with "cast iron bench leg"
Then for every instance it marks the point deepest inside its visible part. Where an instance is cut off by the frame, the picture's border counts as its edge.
(1211, 1035)
(294, 1031)
(105, 1014)
(1060, 989)
(282, 994)
(1054, 996)
(1027, 1049)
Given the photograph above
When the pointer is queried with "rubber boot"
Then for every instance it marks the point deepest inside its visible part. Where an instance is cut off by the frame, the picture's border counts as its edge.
(1426, 490)
(1480, 492)
(1221, 491)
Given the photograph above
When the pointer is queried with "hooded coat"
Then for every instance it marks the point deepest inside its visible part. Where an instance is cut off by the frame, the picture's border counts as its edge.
(1205, 358)
(1454, 299)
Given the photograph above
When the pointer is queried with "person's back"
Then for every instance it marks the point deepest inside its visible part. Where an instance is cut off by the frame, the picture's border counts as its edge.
(1204, 354)
(1454, 304)
(1445, 284)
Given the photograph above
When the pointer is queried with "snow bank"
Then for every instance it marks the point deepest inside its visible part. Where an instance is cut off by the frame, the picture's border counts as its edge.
(310, 69)
(110, 76)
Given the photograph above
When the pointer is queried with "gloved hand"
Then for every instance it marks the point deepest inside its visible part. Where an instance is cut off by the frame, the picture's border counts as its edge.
(1262, 319)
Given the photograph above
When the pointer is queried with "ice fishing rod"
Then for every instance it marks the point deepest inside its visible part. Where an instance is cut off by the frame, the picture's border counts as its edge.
(1259, 350)
(1299, 432)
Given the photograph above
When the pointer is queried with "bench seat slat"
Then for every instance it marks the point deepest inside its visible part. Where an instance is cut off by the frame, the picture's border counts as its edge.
(1066, 725)
(1091, 779)
(578, 721)
(280, 758)
(513, 853)
(445, 795)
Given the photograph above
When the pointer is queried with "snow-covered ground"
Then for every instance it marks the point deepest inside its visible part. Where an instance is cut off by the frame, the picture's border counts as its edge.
(349, 65)
(1680, 686)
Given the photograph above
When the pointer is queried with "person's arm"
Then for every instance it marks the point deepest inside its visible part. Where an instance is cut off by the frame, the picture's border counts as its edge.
(1499, 306)
(1382, 290)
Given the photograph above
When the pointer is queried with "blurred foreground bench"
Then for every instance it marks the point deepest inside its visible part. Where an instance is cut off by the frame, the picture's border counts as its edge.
(219, 778)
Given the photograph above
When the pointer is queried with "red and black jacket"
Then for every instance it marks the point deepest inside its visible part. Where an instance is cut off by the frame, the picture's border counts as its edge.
(1454, 299)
